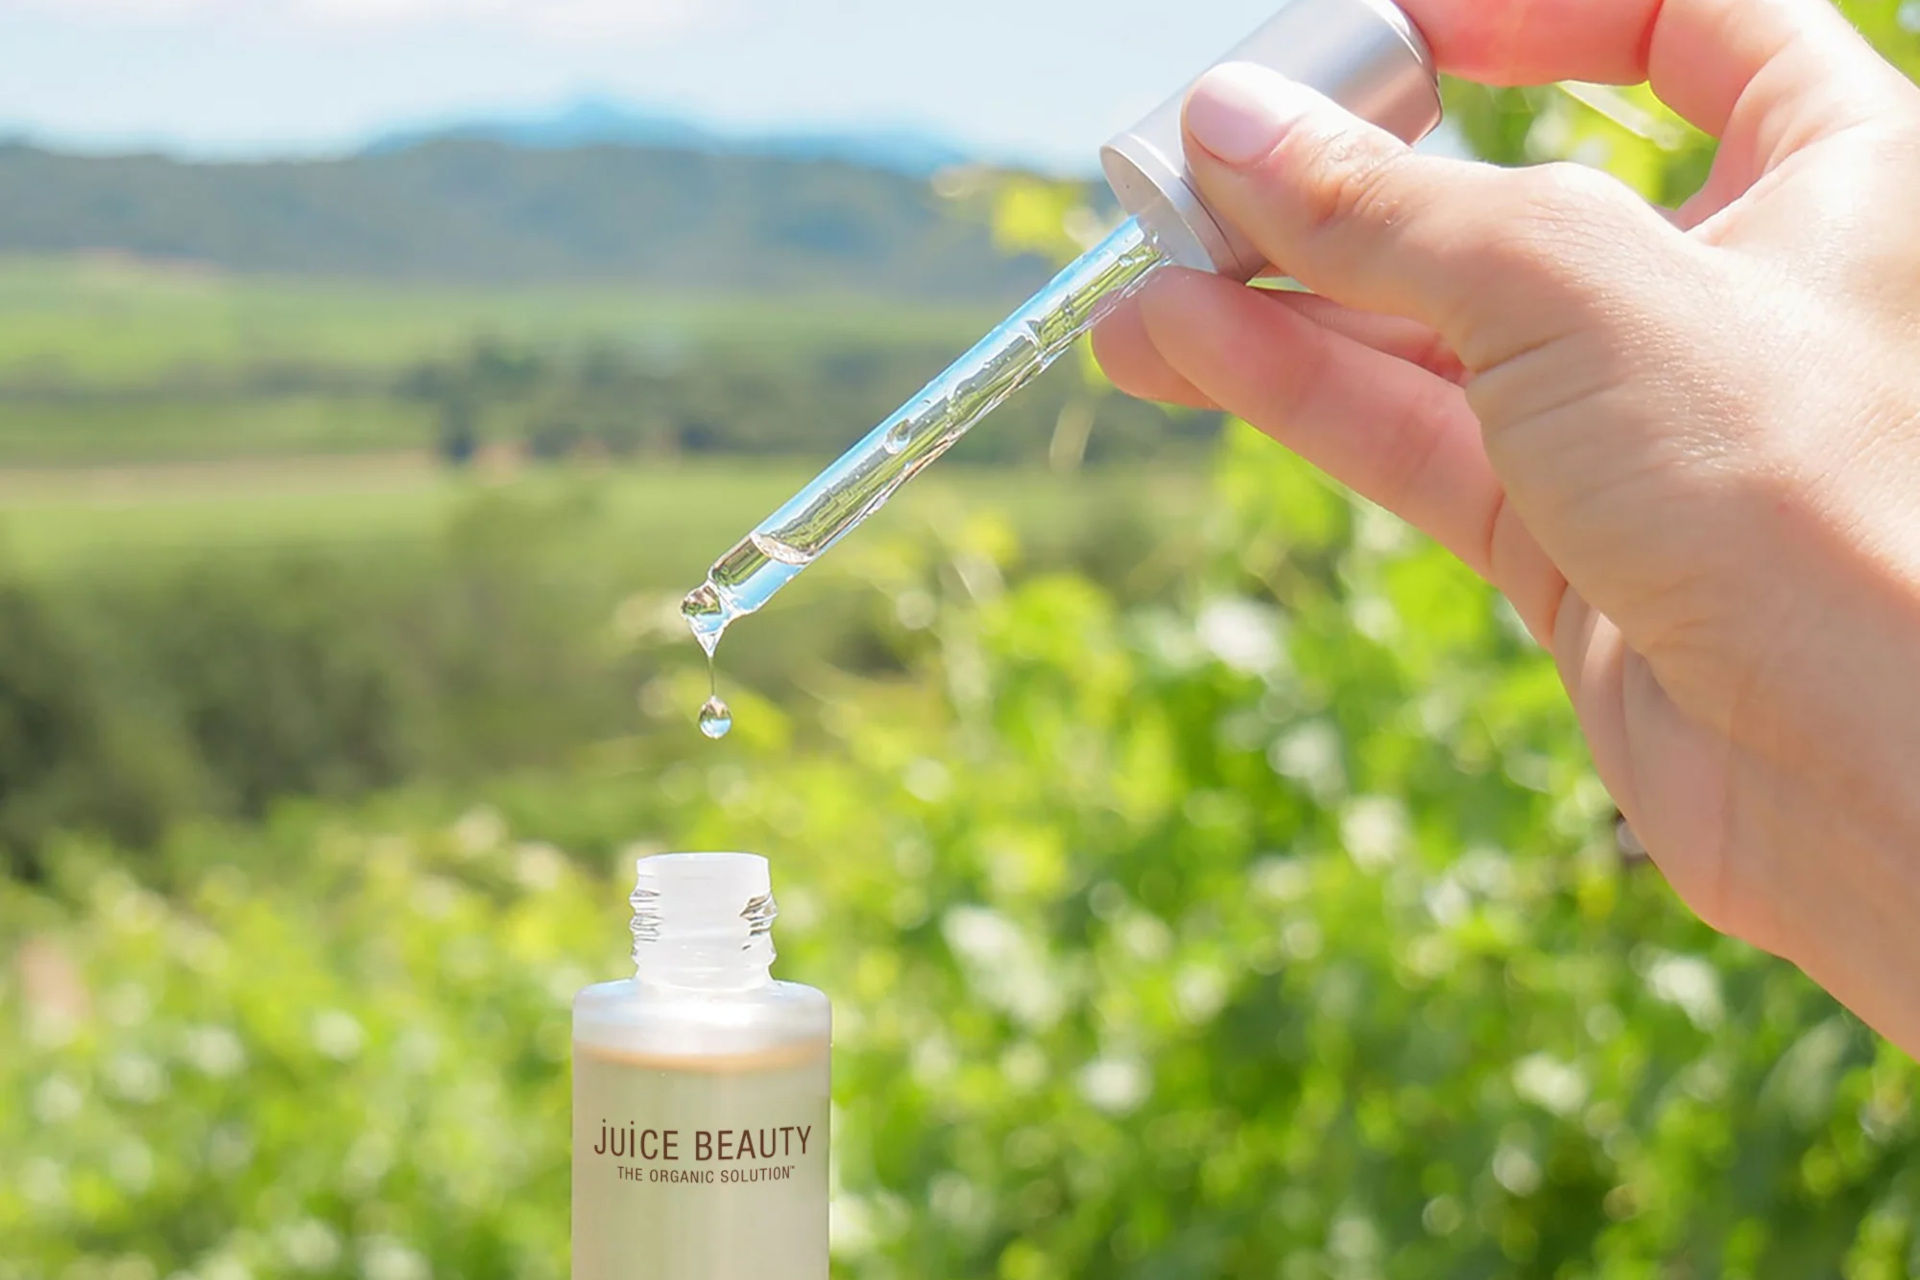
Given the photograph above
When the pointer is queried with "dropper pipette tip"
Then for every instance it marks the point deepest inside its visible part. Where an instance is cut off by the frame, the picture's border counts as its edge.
(706, 612)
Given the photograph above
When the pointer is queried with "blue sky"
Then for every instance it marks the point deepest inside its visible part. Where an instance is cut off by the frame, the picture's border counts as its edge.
(1041, 80)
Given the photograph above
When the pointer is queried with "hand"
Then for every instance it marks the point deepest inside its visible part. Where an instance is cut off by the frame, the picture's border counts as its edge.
(1686, 446)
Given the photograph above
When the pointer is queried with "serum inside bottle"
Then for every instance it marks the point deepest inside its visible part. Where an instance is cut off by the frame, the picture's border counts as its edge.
(701, 1091)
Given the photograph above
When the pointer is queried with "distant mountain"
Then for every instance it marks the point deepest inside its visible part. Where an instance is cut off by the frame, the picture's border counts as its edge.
(589, 123)
(595, 122)
(473, 210)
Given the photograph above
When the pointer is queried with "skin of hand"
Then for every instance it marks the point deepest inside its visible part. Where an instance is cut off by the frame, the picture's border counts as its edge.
(1686, 444)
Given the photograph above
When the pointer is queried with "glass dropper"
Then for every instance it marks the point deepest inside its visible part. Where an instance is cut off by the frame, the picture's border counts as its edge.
(867, 475)
(1366, 55)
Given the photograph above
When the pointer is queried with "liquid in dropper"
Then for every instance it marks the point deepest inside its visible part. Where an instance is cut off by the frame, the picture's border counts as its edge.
(861, 482)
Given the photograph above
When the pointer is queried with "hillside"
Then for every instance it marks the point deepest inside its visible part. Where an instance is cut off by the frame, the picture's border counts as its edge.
(466, 211)
(594, 122)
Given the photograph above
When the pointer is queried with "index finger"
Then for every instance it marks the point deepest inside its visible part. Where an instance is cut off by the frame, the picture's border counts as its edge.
(1702, 56)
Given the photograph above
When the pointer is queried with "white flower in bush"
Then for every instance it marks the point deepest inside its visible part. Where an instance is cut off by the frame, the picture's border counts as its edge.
(338, 1035)
(134, 1077)
(1376, 831)
(57, 1100)
(214, 1051)
(309, 1245)
(1008, 968)
(385, 1258)
(1240, 633)
(1549, 1083)
(1692, 985)
(1115, 1085)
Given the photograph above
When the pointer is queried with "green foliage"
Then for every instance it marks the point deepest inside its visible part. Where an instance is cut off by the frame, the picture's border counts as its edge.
(133, 700)
(1893, 27)
(68, 756)
(347, 1080)
(213, 656)
(1628, 131)
(1269, 928)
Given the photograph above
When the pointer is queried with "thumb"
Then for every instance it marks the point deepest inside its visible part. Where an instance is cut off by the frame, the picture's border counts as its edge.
(1498, 261)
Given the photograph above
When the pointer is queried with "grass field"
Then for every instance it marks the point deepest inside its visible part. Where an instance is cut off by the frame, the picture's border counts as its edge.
(105, 362)
(160, 428)
(124, 437)
(666, 521)
(107, 322)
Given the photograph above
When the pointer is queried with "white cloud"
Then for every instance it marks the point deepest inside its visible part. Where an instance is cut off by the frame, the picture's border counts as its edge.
(534, 17)
(560, 16)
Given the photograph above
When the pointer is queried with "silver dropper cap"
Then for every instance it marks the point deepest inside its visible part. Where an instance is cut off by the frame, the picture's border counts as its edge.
(1364, 54)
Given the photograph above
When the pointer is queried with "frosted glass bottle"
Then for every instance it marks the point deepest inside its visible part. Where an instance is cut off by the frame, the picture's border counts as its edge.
(701, 1091)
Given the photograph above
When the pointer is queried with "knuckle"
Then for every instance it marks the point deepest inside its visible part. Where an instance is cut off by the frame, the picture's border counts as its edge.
(1343, 182)
(1563, 186)
(1566, 219)
(1574, 251)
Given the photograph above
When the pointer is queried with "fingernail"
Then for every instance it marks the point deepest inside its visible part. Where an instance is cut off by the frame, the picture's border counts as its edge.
(1239, 111)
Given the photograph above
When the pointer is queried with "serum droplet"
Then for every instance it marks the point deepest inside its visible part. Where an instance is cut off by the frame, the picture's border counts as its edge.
(716, 719)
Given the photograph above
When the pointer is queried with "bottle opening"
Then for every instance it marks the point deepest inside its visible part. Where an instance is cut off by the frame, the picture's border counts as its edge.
(703, 919)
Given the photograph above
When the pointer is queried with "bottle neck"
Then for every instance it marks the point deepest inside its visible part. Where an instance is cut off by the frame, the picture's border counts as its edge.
(703, 922)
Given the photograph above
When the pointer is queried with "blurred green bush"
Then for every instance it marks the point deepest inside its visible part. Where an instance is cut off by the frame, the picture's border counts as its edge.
(1276, 929)
(139, 693)
(133, 697)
